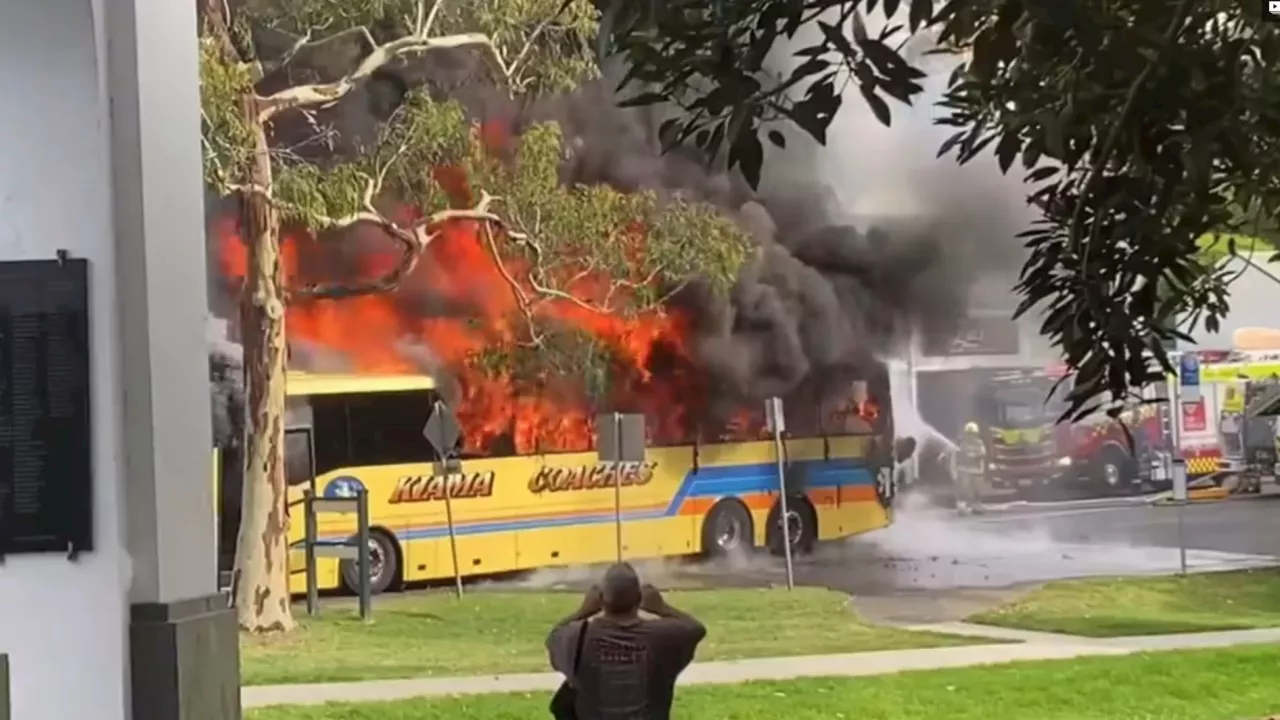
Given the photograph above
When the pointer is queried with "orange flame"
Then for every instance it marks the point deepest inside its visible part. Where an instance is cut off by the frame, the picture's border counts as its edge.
(497, 411)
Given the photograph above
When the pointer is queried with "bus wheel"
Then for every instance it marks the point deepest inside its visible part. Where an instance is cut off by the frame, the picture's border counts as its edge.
(384, 565)
(802, 524)
(727, 529)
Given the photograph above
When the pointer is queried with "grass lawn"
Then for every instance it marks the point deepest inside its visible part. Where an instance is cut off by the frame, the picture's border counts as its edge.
(1193, 685)
(436, 635)
(1147, 606)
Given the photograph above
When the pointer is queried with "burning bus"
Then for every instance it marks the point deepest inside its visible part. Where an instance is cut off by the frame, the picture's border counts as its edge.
(712, 492)
(367, 370)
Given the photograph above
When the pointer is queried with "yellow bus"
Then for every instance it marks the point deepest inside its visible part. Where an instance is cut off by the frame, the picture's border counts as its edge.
(525, 512)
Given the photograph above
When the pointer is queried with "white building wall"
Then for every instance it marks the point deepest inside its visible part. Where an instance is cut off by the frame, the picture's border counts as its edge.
(994, 299)
(63, 624)
(100, 156)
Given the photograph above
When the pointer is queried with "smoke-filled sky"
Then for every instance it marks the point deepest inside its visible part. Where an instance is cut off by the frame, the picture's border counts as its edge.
(862, 241)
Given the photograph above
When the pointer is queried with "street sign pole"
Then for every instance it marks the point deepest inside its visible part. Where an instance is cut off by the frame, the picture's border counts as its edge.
(777, 425)
(617, 485)
(446, 469)
(620, 440)
(442, 432)
(1180, 480)
(1179, 463)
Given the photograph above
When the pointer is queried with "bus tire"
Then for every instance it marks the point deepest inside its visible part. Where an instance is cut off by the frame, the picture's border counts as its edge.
(727, 529)
(804, 526)
(384, 560)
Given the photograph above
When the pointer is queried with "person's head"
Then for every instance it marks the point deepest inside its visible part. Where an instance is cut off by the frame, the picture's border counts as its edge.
(620, 591)
(970, 428)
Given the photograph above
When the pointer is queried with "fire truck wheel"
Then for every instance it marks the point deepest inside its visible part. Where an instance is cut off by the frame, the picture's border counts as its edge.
(727, 529)
(1114, 471)
(384, 565)
(802, 523)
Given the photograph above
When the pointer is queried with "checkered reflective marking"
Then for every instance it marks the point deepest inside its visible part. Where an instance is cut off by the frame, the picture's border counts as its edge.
(1202, 465)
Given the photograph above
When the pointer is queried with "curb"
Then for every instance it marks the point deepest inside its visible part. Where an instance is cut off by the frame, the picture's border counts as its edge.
(1213, 494)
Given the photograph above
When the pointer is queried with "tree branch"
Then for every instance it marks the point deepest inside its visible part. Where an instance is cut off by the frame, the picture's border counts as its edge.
(413, 240)
(522, 299)
(381, 55)
(533, 38)
(423, 25)
(216, 17)
(1103, 156)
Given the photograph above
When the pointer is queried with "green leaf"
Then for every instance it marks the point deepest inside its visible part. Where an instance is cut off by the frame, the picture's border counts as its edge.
(877, 104)
(921, 12)
(747, 154)
(835, 36)
(645, 98)
(1007, 150)
(1041, 174)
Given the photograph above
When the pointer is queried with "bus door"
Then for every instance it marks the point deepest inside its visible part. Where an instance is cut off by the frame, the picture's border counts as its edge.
(299, 473)
(228, 489)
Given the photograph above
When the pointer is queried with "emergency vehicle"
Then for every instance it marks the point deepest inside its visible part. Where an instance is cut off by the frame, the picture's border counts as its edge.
(1223, 428)
(1222, 396)
(1017, 425)
(1018, 413)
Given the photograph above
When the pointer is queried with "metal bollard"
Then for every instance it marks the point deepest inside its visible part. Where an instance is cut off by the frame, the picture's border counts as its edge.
(5, 707)
(309, 550)
(362, 520)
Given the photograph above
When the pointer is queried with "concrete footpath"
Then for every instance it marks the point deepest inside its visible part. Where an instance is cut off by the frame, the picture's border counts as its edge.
(1016, 645)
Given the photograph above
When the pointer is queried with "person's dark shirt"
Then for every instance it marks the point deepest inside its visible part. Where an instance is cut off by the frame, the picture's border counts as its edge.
(628, 668)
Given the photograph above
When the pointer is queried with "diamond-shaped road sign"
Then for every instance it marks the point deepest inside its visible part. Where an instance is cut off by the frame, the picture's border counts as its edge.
(442, 429)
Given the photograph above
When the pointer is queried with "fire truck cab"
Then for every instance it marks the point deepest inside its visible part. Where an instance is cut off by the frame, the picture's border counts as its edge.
(1028, 447)
(1017, 421)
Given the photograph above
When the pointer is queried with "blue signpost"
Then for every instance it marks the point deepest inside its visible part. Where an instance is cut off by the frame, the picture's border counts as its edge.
(1188, 392)
(1189, 378)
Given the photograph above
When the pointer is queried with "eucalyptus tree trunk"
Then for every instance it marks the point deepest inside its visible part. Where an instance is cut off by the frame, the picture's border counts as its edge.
(261, 578)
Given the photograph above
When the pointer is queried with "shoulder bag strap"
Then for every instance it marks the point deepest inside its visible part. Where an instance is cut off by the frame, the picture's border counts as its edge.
(582, 639)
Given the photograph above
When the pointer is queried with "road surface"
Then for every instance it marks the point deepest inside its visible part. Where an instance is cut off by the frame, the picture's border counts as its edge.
(932, 566)
(1238, 526)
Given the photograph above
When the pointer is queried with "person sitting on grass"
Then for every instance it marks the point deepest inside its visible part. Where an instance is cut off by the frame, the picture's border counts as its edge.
(617, 664)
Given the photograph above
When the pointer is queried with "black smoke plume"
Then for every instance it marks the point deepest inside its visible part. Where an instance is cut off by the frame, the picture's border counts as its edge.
(828, 289)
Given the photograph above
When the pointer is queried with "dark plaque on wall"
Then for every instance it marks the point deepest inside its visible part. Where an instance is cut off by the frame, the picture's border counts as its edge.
(46, 472)
(978, 336)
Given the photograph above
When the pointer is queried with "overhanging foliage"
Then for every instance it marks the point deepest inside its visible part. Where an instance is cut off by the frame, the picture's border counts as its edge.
(1142, 125)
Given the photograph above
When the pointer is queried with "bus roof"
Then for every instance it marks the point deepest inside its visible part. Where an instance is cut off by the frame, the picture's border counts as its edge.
(303, 383)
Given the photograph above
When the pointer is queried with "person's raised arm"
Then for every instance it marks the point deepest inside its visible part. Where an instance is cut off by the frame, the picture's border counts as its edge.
(562, 641)
(678, 631)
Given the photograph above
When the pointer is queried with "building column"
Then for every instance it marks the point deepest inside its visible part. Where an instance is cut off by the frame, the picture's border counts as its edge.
(99, 136)
(62, 623)
(184, 658)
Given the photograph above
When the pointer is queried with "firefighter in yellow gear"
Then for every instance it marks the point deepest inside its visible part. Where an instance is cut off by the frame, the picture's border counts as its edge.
(971, 471)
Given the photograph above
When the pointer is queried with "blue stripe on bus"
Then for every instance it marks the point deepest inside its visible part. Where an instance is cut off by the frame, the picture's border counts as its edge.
(707, 482)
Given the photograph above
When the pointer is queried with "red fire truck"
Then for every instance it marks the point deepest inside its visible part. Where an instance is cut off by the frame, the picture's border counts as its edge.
(1018, 414)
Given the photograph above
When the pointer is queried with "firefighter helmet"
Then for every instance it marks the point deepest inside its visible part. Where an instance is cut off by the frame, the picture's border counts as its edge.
(971, 428)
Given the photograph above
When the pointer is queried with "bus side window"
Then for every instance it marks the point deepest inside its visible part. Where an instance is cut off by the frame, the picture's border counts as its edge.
(386, 428)
(299, 465)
